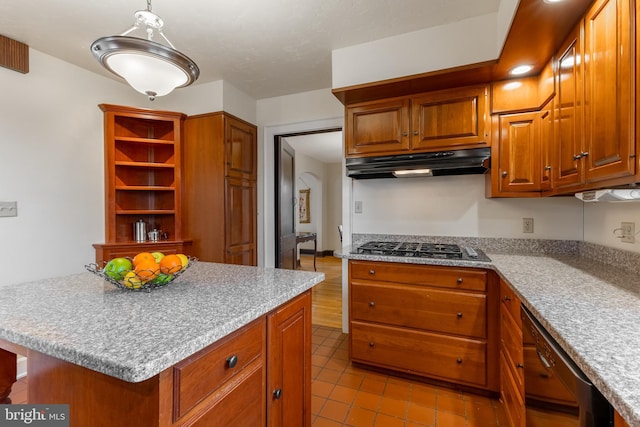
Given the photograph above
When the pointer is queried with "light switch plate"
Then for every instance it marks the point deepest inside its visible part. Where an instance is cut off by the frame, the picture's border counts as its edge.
(357, 206)
(8, 209)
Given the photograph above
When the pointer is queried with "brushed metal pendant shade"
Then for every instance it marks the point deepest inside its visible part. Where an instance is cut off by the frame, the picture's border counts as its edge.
(149, 67)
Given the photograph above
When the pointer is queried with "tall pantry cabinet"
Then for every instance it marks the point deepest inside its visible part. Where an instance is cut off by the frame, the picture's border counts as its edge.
(220, 198)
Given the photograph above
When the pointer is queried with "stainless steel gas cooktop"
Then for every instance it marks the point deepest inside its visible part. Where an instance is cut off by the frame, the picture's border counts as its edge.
(423, 250)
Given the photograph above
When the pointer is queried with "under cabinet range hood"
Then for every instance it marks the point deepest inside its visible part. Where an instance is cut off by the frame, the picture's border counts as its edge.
(453, 162)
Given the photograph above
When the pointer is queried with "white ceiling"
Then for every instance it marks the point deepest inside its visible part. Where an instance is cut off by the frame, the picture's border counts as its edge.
(265, 48)
(325, 147)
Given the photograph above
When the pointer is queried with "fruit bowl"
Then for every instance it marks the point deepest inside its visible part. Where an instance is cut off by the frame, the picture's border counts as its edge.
(134, 283)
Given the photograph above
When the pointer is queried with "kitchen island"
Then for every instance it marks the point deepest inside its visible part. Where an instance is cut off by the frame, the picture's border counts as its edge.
(586, 296)
(125, 357)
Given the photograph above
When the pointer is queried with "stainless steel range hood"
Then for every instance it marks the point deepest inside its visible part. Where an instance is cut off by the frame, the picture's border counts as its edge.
(453, 162)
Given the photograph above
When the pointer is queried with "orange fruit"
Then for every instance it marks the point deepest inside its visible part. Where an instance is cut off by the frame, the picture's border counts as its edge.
(170, 264)
(147, 270)
(143, 256)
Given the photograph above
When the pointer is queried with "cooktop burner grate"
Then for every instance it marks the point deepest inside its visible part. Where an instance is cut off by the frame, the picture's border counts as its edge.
(422, 250)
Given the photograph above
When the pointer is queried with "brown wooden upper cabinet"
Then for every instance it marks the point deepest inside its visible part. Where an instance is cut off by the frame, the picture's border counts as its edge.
(595, 104)
(433, 121)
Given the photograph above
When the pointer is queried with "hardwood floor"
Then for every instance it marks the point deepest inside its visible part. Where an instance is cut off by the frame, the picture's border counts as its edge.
(326, 296)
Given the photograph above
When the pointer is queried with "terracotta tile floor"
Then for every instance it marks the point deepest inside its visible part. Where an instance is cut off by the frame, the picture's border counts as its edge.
(343, 395)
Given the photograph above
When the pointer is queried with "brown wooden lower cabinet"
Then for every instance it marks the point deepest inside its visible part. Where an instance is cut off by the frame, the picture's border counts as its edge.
(435, 322)
(257, 376)
(618, 421)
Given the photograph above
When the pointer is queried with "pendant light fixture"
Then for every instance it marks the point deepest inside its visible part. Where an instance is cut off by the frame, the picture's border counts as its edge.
(150, 67)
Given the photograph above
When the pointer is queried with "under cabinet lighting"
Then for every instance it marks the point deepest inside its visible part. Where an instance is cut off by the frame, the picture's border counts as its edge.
(414, 172)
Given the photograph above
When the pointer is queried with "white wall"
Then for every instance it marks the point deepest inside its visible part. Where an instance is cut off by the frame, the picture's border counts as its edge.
(465, 42)
(308, 111)
(456, 206)
(333, 205)
(601, 219)
(51, 163)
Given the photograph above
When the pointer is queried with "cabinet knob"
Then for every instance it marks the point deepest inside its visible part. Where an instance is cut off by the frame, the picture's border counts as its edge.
(405, 133)
(232, 361)
(506, 298)
(504, 174)
(577, 157)
(459, 280)
(277, 394)
(547, 168)
(459, 360)
(415, 132)
(372, 304)
(371, 344)
(459, 315)
(372, 272)
(584, 154)
(519, 365)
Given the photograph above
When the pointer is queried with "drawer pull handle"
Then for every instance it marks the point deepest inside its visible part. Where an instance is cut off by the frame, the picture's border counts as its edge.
(277, 394)
(459, 361)
(232, 361)
(459, 315)
(372, 272)
(371, 344)
(459, 280)
(372, 304)
(507, 298)
(519, 365)
(543, 375)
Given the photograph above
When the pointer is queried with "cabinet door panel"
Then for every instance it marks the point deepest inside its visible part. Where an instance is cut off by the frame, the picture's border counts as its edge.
(240, 223)
(289, 331)
(450, 118)
(378, 128)
(568, 113)
(461, 360)
(520, 160)
(240, 149)
(460, 313)
(608, 83)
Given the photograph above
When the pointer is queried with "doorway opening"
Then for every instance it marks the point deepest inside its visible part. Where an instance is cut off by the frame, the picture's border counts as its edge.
(308, 200)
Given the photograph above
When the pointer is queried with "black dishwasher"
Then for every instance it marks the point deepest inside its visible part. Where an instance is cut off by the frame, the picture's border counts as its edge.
(580, 403)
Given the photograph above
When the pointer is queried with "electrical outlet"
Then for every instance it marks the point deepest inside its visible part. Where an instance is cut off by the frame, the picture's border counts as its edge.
(357, 206)
(527, 225)
(8, 209)
(628, 234)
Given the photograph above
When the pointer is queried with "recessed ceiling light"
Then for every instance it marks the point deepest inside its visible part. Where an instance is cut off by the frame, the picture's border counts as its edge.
(521, 69)
(552, 1)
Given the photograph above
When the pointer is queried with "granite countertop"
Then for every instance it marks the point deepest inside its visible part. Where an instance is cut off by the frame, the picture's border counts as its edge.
(587, 297)
(135, 335)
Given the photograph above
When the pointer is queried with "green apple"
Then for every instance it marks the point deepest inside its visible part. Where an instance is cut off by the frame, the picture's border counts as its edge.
(157, 256)
(117, 268)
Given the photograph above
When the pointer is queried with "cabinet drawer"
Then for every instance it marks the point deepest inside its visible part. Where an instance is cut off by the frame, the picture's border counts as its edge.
(542, 383)
(459, 360)
(511, 302)
(460, 313)
(512, 347)
(512, 398)
(240, 404)
(205, 371)
(442, 277)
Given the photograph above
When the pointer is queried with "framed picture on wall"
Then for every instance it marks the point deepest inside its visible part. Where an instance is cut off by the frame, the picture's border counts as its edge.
(304, 213)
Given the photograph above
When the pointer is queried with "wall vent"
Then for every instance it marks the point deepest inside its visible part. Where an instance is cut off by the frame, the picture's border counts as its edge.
(14, 55)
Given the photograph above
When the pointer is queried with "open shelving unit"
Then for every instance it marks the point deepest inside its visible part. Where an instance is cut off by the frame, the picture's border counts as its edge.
(142, 180)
